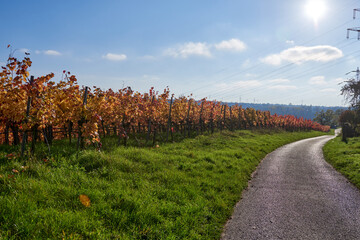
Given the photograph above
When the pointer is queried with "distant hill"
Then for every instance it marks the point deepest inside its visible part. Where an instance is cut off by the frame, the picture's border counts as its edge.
(304, 111)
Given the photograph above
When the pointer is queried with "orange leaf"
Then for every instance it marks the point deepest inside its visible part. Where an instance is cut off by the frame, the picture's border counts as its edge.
(85, 200)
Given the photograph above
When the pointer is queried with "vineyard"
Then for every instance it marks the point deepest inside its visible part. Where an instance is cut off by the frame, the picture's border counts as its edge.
(39, 109)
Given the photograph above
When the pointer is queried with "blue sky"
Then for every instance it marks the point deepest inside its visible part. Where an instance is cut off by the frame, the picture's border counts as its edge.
(264, 51)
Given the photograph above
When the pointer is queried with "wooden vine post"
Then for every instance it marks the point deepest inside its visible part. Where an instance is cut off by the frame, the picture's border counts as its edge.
(154, 136)
(169, 120)
(80, 143)
(70, 130)
(224, 115)
(7, 129)
(219, 124)
(212, 120)
(200, 118)
(125, 131)
(149, 122)
(34, 137)
(231, 125)
(24, 137)
(156, 125)
(188, 118)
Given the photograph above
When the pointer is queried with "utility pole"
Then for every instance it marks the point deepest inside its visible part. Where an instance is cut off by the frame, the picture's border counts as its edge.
(357, 71)
(354, 29)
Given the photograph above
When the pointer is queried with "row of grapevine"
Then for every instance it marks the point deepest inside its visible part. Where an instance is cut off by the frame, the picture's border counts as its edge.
(39, 108)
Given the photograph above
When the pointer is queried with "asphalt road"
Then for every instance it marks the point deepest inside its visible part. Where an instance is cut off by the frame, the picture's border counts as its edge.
(295, 194)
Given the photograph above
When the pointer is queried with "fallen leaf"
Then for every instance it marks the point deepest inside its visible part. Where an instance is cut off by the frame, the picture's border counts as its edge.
(85, 200)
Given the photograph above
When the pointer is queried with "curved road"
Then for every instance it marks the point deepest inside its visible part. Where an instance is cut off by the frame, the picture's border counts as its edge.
(295, 194)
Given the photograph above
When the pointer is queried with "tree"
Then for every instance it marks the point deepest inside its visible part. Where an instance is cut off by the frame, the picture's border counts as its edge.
(329, 117)
(351, 92)
(348, 123)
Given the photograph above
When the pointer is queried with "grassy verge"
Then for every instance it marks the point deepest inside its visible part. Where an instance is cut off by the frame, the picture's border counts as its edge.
(345, 157)
(185, 190)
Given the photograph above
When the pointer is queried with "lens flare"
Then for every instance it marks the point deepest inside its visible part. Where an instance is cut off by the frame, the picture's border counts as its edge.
(315, 9)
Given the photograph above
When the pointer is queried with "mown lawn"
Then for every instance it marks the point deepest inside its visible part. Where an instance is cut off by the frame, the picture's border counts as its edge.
(184, 190)
(345, 157)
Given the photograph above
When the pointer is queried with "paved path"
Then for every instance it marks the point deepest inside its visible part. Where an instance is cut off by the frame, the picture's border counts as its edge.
(295, 194)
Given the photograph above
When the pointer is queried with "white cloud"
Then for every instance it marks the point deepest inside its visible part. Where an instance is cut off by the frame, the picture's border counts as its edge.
(189, 49)
(203, 49)
(274, 59)
(52, 53)
(48, 52)
(317, 80)
(291, 42)
(283, 87)
(300, 54)
(231, 45)
(279, 80)
(239, 84)
(115, 57)
(329, 90)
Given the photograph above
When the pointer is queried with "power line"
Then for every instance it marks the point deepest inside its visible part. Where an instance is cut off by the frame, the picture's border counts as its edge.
(259, 64)
(269, 74)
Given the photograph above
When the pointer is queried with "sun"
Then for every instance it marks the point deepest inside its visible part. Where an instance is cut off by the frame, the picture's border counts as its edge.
(315, 9)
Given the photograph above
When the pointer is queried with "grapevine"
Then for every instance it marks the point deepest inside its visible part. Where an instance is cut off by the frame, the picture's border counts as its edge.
(59, 110)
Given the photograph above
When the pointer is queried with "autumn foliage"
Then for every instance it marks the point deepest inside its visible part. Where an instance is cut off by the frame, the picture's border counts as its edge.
(63, 110)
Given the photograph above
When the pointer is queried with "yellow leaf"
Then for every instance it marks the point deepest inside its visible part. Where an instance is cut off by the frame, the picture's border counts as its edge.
(85, 200)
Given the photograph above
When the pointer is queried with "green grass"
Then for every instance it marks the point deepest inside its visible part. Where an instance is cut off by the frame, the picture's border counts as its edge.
(184, 190)
(345, 157)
